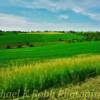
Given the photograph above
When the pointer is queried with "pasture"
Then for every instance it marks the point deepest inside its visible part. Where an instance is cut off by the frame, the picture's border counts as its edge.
(25, 39)
(48, 52)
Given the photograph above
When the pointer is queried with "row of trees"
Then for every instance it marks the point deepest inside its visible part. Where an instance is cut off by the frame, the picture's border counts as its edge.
(19, 45)
(71, 31)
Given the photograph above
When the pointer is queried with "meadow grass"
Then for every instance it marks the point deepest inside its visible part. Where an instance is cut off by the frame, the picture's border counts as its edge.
(52, 73)
(90, 89)
(48, 52)
(14, 39)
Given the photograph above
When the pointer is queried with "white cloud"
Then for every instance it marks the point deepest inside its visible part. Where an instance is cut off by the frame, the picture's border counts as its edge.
(64, 17)
(94, 16)
(78, 9)
(11, 22)
(77, 6)
(56, 4)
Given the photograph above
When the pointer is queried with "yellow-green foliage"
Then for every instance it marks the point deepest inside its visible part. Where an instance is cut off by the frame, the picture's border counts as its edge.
(89, 89)
(51, 73)
(46, 33)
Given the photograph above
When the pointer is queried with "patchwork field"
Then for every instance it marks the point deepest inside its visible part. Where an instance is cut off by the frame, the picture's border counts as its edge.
(46, 61)
(25, 39)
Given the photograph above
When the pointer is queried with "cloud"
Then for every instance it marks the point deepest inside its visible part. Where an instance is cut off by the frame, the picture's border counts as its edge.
(58, 7)
(11, 22)
(77, 6)
(94, 16)
(78, 9)
(64, 17)
(55, 4)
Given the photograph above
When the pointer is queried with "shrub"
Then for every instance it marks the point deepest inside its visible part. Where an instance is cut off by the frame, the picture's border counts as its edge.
(60, 39)
(29, 44)
(8, 47)
(1, 33)
(19, 45)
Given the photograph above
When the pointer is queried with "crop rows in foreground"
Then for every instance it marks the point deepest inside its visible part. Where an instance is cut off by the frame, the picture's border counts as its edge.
(52, 73)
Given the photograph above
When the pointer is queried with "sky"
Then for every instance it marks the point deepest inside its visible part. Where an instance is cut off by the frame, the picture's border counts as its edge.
(51, 15)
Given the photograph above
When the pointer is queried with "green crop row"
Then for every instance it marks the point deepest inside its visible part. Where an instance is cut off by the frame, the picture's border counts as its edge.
(52, 73)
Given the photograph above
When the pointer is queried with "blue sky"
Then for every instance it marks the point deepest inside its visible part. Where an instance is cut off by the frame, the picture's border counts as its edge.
(27, 15)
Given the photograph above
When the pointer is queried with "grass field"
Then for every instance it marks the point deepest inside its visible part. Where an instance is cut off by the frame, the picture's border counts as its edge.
(47, 52)
(36, 39)
(80, 91)
(87, 89)
(47, 61)
(52, 73)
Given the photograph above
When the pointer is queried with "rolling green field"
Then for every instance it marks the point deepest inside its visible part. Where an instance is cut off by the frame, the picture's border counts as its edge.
(43, 61)
(36, 39)
(47, 52)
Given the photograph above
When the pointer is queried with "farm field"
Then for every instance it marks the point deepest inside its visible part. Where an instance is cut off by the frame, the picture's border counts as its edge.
(47, 52)
(49, 60)
(52, 73)
(19, 40)
(27, 39)
(88, 88)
